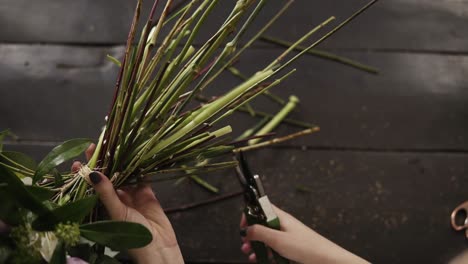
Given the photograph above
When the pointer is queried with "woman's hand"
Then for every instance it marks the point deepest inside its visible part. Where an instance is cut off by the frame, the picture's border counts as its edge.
(138, 205)
(295, 241)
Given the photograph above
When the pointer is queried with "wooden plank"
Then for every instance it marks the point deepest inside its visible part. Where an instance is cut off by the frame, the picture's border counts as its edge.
(398, 24)
(416, 102)
(66, 21)
(386, 207)
(376, 205)
(53, 93)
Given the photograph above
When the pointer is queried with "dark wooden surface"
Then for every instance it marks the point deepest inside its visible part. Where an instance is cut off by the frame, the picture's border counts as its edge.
(393, 24)
(384, 172)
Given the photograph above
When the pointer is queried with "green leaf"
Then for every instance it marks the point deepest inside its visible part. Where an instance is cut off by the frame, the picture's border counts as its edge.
(66, 151)
(19, 158)
(58, 179)
(114, 60)
(5, 253)
(9, 210)
(73, 212)
(82, 251)
(204, 184)
(106, 260)
(117, 235)
(18, 192)
(40, 193)
(59, 256)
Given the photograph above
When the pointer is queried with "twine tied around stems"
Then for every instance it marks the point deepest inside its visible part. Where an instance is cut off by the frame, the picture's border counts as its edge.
(84, 173)
(85, 170)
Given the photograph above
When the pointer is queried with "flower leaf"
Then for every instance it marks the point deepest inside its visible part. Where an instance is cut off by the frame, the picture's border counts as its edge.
(106, 260)
(59, 256)
(73, 212)
(117, 235)
(58, 179)
(40, 193)
(19, 158)
(18, 192)
(82, 251)
(66, 151)
(9, 209)
(114, 60)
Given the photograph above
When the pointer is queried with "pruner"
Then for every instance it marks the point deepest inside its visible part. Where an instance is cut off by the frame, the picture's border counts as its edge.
(258, 210)
(461, 209)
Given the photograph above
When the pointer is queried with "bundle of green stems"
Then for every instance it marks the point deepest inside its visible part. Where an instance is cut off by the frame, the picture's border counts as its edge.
(159, 124)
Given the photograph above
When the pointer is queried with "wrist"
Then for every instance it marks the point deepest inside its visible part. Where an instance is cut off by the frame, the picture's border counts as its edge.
(149, 255)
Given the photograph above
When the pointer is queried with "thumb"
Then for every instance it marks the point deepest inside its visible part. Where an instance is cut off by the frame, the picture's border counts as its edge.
(108, 196)
(273, 238)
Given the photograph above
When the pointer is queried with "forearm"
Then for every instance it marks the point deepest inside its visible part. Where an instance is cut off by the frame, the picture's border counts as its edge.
(309, 247)
(326, 252)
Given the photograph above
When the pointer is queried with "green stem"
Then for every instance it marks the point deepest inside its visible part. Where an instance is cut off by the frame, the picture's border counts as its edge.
(248, 44)
(249, 132)
(277, 140)
(199, 180)
(211, 109)
(329, 34)
(234, 71)
(289, 121)
(93, 161)
(293, 100)
(278, 60)
(204, 184)
(27, 173)
(16, 163)
(242, 101)
(323, 55)
(261, 114)
(195, 169)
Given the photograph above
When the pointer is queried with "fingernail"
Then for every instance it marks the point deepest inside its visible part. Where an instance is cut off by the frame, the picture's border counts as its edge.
(243, 232)
(95, 177)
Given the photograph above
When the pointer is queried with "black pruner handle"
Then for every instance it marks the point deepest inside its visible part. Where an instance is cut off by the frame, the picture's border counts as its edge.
(259, 248)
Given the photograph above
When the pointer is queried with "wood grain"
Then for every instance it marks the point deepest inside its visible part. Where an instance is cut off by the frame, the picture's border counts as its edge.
(386, 207)
(398, 24)
(380, 179)
(53, 93)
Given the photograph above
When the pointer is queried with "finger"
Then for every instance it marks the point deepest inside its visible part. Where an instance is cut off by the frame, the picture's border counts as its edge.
(271, 237)
(76, 166)
(243, 228)
(287, 221)
(146, 202)
(128, 189)
(90, 151)
(144, 194)
(279, 211)
(108, 196)
(243, 234)
(125, 197)
(252, 258)
(4, 228)
(246, 248)
(243, 222)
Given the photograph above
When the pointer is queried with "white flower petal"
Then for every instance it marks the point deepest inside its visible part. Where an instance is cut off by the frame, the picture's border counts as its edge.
(48, 243)
(27, 181)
